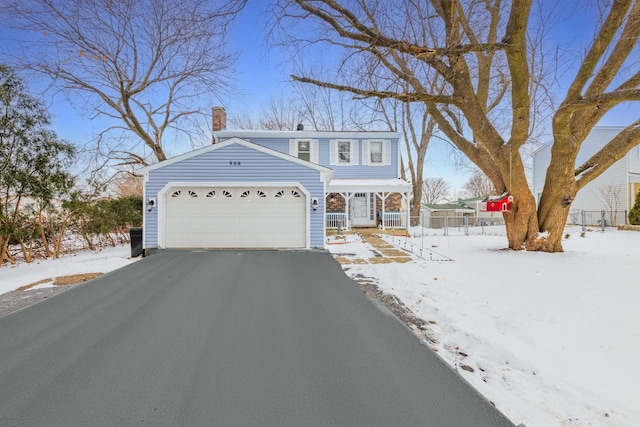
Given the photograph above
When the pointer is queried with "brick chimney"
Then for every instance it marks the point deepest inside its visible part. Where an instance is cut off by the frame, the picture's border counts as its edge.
(219, 119)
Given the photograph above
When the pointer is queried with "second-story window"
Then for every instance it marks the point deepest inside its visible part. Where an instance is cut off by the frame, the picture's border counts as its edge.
(375, 152)
(304, 150)
(344, 152)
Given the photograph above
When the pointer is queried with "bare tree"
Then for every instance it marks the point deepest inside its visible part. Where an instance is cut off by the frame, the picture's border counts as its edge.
(610, 195)
(145, 64)
(479, 185)
(329, 110)
(281, 115)
(489, 55)
(126, 185)
(244, 121)
(315, 108)
(418, 128)
(435, 190)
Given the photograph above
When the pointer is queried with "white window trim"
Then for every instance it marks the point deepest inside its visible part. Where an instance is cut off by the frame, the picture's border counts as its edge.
(313, 148)
(386, 152)
(353, 152)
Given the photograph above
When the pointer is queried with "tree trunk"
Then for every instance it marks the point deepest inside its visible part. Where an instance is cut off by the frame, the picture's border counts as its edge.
(521, 221)
(4, 253)
(417, 200)
(415, 214)
(26, 252)
(43, 236)
(555, 204)
(90, 243)
(560, 188)
(553, 225)
(57, 242)
(57, 246)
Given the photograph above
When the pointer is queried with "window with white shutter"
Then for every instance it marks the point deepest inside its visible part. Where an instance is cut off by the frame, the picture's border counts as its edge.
(304, 149)
(376, 152)
(343, 152)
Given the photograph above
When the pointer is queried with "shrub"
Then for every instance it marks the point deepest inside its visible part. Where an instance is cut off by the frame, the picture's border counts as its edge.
(634, 213)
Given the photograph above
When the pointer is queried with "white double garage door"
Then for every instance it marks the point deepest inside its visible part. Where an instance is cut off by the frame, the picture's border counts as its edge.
(231, 216)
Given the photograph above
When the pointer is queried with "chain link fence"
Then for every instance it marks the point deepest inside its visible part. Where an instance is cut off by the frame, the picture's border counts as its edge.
(455, 225)
(597, 218)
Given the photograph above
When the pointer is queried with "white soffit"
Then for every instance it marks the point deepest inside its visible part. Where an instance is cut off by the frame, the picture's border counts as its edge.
(393, 185)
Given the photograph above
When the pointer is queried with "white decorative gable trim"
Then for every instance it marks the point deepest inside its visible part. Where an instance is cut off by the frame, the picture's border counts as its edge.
(326, 172)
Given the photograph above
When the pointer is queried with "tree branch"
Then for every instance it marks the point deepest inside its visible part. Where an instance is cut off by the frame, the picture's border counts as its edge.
(405, 97)
(613, 151)
(598, 48)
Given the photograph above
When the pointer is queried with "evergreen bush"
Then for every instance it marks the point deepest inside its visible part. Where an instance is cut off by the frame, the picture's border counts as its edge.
(634, 213)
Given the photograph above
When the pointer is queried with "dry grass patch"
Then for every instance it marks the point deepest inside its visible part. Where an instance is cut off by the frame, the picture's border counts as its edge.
(75, 278)
(72, 279)
(31, 285)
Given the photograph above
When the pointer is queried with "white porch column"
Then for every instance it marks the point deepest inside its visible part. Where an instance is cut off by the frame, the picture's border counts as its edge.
(383, 197)
(406, 199)
(347, 196)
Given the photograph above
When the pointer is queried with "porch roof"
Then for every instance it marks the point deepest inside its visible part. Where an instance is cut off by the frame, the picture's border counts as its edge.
(392, 185)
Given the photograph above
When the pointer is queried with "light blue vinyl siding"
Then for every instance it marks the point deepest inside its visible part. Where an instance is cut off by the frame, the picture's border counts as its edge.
(254, 166)
(361, 171)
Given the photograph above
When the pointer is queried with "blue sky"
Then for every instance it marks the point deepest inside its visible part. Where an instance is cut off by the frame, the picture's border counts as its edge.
(261, 75)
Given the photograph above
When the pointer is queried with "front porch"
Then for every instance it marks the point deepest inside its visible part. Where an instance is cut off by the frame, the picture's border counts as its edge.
(367, 203)
(340, 220)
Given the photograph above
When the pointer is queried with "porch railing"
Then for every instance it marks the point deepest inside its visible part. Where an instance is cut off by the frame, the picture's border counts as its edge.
(395, 220)
(336, 219)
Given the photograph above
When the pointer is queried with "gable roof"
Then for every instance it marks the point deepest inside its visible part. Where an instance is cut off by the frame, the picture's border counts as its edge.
(448, 207)
(146, 169)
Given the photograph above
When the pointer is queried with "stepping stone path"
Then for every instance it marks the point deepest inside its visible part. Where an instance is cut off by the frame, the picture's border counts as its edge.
(385, 252)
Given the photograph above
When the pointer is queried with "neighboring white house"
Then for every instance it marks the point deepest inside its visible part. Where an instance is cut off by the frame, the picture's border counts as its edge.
(614, 190)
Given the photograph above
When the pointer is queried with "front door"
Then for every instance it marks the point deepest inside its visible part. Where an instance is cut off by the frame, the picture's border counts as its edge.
(362, 214)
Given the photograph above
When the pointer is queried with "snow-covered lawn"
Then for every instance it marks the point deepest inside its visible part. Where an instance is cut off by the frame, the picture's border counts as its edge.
(552, 339)
(101, 261)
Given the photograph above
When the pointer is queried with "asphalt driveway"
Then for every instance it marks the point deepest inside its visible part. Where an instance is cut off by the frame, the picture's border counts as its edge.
(225, 338)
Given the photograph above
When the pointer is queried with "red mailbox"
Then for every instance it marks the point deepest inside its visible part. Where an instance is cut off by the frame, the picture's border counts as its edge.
(500, 203)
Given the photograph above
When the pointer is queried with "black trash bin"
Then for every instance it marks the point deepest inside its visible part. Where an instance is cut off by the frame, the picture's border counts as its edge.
(135, 234)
